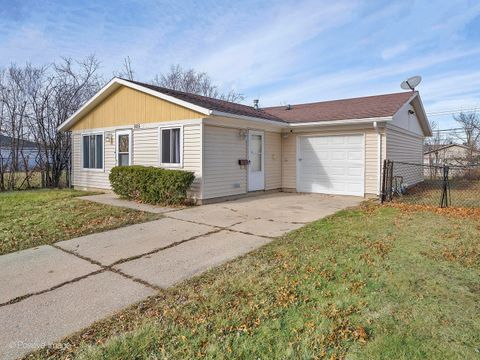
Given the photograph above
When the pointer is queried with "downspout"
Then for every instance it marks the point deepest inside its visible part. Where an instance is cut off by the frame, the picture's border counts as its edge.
(379, 156)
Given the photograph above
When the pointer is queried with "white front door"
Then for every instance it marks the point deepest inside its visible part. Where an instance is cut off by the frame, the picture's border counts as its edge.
(331, 164)
(256, 168)
(124, 148)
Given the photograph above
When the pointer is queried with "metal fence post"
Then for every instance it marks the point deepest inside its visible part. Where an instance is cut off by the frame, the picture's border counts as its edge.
(445, 199)
(390, 181)
(383, 187)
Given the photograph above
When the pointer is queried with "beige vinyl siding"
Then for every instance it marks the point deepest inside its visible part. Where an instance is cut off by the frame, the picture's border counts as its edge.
(145, 151)
(371, 162)
(405, 147)
(145, 147)
(222, 176)
(128, 106)
(273, 160)
(192, 156)
(289, 162)
(289, 155)
(91, 178)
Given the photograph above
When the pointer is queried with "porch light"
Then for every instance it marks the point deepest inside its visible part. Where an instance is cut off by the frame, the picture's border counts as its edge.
(109, 138)
(242, 134)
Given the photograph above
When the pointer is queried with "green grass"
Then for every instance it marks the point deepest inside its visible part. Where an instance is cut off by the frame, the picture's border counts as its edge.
(367, 283)
(37, 217)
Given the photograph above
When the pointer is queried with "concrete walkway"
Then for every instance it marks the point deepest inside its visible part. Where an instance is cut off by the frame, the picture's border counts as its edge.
(49, 292)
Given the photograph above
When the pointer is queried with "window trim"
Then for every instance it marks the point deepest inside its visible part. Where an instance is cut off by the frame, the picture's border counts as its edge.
(170, 165)
(130, 145)
(102, 169)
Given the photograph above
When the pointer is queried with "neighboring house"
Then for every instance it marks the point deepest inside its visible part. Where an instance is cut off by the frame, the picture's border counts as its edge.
(450, 154)
(28, 153)
(332, 147)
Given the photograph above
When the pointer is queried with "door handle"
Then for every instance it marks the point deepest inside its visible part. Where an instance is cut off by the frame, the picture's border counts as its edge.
(300, 159)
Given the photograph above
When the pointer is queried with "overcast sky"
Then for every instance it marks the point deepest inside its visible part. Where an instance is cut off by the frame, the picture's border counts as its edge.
(278, 51)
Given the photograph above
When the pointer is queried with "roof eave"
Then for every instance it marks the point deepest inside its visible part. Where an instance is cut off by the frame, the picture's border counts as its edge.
(341, 122)
(251, 118)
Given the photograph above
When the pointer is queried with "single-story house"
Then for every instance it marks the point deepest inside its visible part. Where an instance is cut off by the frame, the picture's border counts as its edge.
(27, 153)
(450, 154)
(331, 147)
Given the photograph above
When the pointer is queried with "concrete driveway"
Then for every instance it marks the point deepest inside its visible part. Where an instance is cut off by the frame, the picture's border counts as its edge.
(49, 292)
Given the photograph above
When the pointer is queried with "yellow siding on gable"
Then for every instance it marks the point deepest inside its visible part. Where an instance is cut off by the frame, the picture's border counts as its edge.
(128, 106)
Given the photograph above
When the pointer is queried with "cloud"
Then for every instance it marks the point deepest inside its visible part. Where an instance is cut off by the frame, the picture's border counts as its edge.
(361, 81)
(267, 52)
(391, 52)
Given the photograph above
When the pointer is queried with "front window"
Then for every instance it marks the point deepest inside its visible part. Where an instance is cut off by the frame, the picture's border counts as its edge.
(170, 153)
(93, 151)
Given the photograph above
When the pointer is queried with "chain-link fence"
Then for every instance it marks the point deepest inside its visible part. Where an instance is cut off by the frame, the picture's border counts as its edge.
(443, 186)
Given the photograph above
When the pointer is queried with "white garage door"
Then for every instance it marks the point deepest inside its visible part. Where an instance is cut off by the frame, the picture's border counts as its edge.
(331, 164)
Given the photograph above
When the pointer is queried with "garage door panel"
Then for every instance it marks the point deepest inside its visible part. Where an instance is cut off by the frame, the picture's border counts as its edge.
(338, 155)
(355, 140)
(337, 140)
(321, 155)
(355, 156)
(355, 172)
(331, 164)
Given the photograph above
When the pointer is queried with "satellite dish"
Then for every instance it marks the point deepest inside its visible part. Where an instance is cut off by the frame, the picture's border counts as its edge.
(411, 83)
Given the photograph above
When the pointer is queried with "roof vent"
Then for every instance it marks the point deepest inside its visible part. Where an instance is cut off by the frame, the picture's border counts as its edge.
(289, 107)
(255, 104)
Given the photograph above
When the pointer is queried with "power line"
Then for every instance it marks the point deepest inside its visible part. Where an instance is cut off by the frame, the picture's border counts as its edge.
(452, 111)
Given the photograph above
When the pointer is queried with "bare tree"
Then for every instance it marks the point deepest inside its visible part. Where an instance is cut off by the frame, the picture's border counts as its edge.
(14, 113)
(194, 82)
(70, 84)
(126, 71)
(432, 144)
(470, 123)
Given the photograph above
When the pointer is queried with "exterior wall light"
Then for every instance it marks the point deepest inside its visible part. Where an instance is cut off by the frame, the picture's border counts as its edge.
(243, 134)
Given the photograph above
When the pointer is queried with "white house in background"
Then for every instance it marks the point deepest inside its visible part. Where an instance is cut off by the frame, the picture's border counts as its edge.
(331, 147)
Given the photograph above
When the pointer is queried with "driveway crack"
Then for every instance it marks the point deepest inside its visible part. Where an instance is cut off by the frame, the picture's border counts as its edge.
(71, 281)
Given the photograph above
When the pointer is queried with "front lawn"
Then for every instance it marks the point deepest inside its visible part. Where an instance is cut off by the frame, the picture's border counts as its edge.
(37, 217)
(368, 283)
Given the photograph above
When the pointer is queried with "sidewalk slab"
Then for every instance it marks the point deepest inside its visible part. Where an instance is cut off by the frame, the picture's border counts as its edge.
(43, 319)
(37, 269)
(213, 214)
(173, 265)
(262, 227)
(114, 245)
(115, 200)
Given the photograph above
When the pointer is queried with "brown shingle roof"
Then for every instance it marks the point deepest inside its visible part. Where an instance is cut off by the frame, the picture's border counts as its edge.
(356, 108)
(211, 103)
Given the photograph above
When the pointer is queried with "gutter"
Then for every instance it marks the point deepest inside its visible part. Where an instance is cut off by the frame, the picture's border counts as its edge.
(341, 122)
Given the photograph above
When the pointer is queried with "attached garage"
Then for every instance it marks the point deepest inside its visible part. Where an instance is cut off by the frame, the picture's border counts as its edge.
(331, 164)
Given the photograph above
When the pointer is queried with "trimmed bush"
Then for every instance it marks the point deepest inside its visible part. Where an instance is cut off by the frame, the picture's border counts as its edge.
(150, 184)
